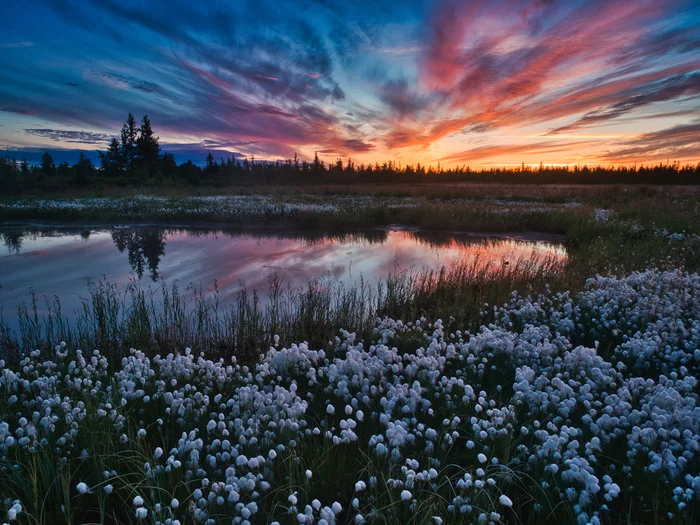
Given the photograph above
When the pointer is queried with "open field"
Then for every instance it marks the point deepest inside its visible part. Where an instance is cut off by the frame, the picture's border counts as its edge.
(527, 393)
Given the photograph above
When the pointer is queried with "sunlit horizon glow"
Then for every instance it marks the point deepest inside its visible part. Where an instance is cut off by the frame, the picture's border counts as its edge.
(462, 83)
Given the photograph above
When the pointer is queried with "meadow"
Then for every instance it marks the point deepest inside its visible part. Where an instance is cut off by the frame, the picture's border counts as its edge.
(484, 393)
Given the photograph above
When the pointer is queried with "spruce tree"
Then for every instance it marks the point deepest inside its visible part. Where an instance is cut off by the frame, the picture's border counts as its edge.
(128, 144)
(47, 164)
(83, 169)
(148, 149)
(316, 168)
(111, 160)
(210, 166)
(168, 165)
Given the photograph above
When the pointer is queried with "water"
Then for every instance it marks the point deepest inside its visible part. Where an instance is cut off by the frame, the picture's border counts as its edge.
(61, 262)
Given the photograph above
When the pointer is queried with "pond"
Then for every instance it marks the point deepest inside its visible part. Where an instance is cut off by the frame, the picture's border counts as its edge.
(60, 262)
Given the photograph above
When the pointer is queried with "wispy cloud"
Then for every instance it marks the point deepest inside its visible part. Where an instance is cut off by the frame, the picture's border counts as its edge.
(70, 136)
(18, 111)
(12, 45)
(414, 80)
(678, 142)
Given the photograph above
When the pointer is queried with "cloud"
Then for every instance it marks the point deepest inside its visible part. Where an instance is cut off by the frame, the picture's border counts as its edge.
(402, 99)
(18, 111)
(676, 143)
(362, 78)
(664, 90)
(70, 136)
(130, 82)
(14, 45)
(516, 151)
(502, 65)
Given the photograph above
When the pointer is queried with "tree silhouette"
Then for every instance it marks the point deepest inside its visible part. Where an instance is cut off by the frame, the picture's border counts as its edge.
(129, 136)
(112, 160)
(47, 164)
(168, 164)
(144, 247)
(210, 167)
(147, 148)
(83, 169)
(13, 241)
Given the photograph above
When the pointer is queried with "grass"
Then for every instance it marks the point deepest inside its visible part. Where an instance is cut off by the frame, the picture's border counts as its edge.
(46, 484)
(639, 228)
(166, 318)
(607, 231)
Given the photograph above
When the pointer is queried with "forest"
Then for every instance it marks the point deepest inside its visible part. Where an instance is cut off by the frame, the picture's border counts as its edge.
(136, 159)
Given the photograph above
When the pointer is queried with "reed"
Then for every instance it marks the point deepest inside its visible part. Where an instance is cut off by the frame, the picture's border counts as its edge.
(165, 317)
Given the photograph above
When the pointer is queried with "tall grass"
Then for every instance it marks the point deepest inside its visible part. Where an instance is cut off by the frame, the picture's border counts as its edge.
(168, 318)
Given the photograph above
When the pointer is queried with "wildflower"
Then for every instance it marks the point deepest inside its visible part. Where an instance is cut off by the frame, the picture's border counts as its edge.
(174, 503)
(406, 495)
(82, 488)
(138, 501)
(505, 501)
(141, 513)
(14, 511)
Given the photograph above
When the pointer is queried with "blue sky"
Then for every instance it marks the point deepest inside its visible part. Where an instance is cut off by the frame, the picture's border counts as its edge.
(457, 82)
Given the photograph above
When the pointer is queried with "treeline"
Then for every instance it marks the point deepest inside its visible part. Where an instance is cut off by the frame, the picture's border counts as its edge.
(135, 159)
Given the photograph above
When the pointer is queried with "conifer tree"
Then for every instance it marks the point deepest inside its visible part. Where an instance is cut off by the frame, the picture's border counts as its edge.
(47, 164)
(128, 143)
(316, 168)
(148, 149)
(111, 160)
(168, 164)
(83, 169)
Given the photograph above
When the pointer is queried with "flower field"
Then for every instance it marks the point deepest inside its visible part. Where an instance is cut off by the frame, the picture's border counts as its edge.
(562, 408)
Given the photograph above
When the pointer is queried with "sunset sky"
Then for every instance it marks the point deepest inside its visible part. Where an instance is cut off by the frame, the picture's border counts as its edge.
(479, 83)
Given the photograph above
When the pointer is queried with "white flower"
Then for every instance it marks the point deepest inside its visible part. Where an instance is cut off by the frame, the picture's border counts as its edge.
(82, 488)
(14, 511)
(141, 513)
(308, 474)
(330, 409)
(406, 495)
(482, 458)
(108, 489)
(505, 501)
(174, 503)
(138, 501)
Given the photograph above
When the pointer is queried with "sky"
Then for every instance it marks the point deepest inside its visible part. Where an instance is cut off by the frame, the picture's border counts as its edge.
(457, 82)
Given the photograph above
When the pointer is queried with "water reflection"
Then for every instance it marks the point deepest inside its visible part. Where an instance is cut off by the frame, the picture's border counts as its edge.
(61, 261)
(145, 247)
(13, 241)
